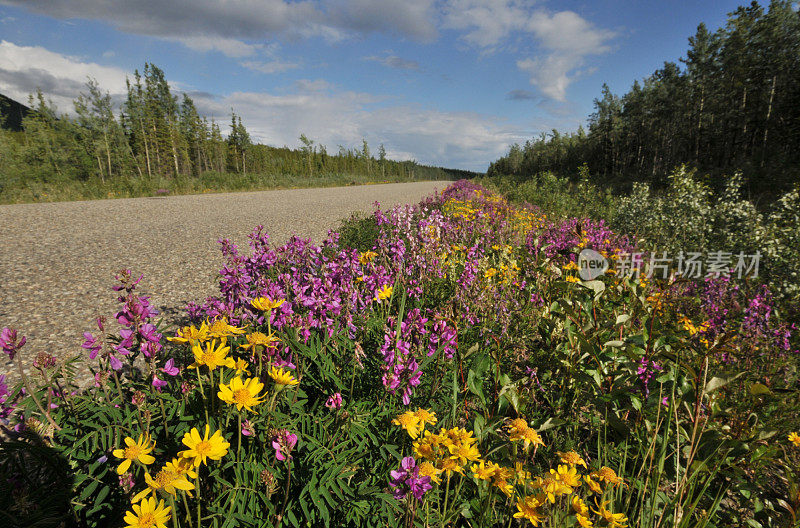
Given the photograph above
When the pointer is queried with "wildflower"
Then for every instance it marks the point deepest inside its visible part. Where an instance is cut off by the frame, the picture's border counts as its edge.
(265, 304)
(213, 356)
(366, 257)
(136, 451)
(520, 473)
(158, 383)
(578, 506)
(464, 453)
(425, 417)
(334, 401)
(570, 278)
(169, 479)
(528, 508)
(532, 437)
(10, 344)
(410, 422)
(148, 514)
(408, 480)
(426, 469)
(247, 428)
(500, 480)
(241, 366)
(518, 429)
(552, 487)
(385, 292)
(5, 408)
(127, 482)
(282, 377)
(795, 439)
(190, 334)
(170, 369)
(255, 339)
(44, 361)
(584, 521)
(92, 344)
(221, 329)
(283, 443)
(607, 475)
(202, 448)
(483, 472)
(613, 520)
(572, 458)
(241, 393)
(593, 486)
(567, 475)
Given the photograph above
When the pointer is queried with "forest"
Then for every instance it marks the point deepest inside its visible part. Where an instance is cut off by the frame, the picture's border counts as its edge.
(731, 104)
(158, 142)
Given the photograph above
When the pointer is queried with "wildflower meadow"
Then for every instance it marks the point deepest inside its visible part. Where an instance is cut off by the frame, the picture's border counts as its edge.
(441, 364)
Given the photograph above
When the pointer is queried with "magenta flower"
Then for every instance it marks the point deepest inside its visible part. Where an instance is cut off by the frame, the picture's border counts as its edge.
(283, 443)
(92, 344)
(408, 480)
(9, 342)
(170, 369)
(6, 408)
(158, 383)
(247, 428)
(334, 402)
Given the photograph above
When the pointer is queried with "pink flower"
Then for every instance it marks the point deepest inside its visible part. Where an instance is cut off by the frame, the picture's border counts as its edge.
(158, 384)
(92, 344)
(9, 342)
(170, 369)
(283, 443)
(247, 428)
(334, 402)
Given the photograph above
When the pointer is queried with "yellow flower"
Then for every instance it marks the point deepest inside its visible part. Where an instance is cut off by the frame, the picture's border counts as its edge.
(482, 471)
(795, 439)
(202, 448)
(567, 475)
(448, 465)
(578, 506)
(213, 356)
(593, 486)
(169, 479)
(410, 422)
(607, 475)
(241, 366)
(516, 429)
(570, 278)
(552, 488)
(385, 292)
(425, 417)
(520, 473)
(367, 256)
(532, 437)
(241, 393)
(190, 334)
(258, 338)
(148, 514)
(584, 521)
(426, 469)
(613, 520)
(265, 304)
(528, 508)
(221, 329)
(138, 451)
(282, 377)
(572, 458)
(464, 453)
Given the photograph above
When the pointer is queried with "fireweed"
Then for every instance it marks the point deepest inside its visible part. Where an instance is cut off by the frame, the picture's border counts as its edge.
(459, 372)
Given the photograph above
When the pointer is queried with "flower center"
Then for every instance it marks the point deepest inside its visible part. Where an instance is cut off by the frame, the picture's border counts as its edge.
(164, 477)
(203, 448)
(133, 452)
(241, 396)
(209, 357)
(147, 520)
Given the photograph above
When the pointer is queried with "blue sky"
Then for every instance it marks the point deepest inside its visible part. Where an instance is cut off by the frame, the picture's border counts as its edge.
(444, 82)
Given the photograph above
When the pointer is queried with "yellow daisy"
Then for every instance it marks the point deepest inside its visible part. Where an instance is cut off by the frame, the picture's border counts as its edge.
(282, 377)
(265, 304)
(241, 366)
(409, 421)
(578, 506)
(567, 475)
(482, 471)
(255, 339)
(138, 451)
(426, 469)
(426, 417)
(221, 329)
(169, 479)
(464, 453)
(795, 439)
(148, 514)
(584, 521)
(212, 356)
(613, 520)
(385, 292)
(528, 508)
(241, 393)
(607, 475)
(572, 458)
(202, 448)
(190, 334)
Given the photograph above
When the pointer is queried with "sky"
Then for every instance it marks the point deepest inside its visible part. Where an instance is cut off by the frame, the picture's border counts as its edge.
(444, 82)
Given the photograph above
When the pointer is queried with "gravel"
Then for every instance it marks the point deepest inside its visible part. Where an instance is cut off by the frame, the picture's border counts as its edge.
(58, 260)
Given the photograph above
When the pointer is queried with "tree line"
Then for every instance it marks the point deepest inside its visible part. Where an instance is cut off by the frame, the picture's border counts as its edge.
(734, 105)
(156, 134)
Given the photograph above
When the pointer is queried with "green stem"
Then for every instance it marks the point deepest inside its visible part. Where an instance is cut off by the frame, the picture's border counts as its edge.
(446, 499)
(202, 392)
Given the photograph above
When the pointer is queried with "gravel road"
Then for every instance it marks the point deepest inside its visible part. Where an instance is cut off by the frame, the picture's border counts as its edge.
(58, 260)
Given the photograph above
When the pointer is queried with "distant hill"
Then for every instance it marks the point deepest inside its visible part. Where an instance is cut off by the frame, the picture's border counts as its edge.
(11, 113)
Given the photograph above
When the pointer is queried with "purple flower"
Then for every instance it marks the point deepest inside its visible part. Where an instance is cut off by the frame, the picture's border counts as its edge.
(408, 480)
(170, 369)
(9, 342)
(6, 408)
(247, 428)
(92, 344)
(158, 383)
(283, 443)
(334, 402)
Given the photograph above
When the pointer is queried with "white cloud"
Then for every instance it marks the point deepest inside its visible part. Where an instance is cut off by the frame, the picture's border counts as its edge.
(393, 61)
(23, 69)
(228, 46)
(269, 67)
(218, 25)
(566, 38)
